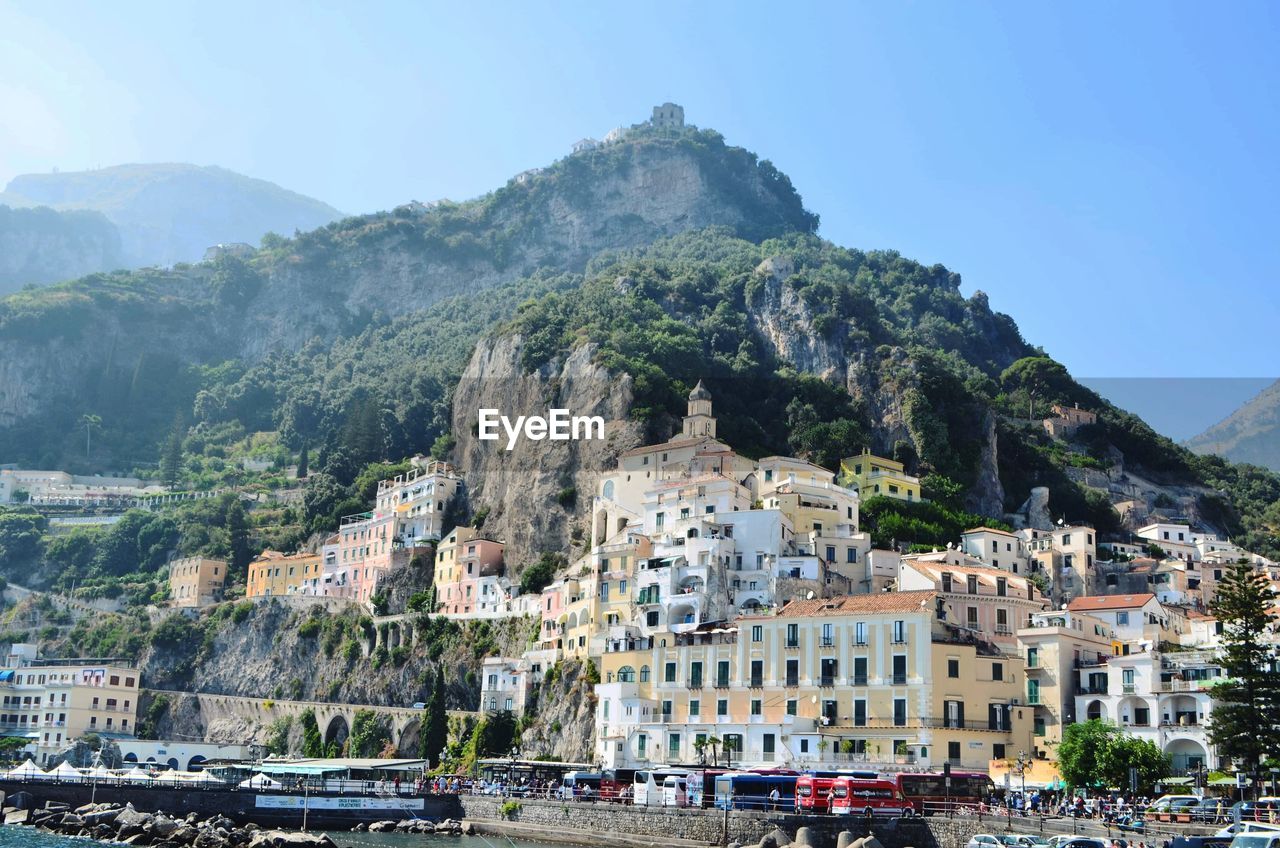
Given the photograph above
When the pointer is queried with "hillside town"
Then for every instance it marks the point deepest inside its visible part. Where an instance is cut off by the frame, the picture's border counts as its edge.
(735, 610)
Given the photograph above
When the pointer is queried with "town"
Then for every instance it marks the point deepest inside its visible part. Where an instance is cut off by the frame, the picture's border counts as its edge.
(736, 614)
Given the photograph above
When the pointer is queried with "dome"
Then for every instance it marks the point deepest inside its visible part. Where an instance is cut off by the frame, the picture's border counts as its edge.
(699, 392)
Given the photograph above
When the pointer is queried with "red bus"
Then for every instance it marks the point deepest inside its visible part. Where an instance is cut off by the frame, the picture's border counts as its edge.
(811, 793)
(928, 793)
(857, 796)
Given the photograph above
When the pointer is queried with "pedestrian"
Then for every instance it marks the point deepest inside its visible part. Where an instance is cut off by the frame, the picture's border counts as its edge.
(774, 796)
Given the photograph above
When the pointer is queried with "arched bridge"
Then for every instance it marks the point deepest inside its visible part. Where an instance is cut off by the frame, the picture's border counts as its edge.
(256, 715)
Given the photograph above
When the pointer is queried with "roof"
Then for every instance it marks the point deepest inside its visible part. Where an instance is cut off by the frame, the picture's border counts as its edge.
(1106, 602)
(881, 602)
(677, 442)
(700, 392)
(985, 529)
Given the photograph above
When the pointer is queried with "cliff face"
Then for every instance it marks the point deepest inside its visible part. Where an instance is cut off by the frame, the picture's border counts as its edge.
(337, 280)
(534, 493)
(41, 245)
(1250, 434)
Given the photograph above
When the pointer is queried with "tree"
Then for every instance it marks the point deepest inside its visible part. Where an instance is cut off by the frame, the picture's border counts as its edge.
(1124, 752)
(171, 457)
(370, 733)
(238, 532)
(90, 422)
(1036, 377)
(538, 576)
(304, 462)
(312, 741)
(1082, 750)
(1243, 725)
(435, 731)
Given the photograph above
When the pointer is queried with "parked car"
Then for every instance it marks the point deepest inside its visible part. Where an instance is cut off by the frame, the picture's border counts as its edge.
(984, 840)
(1024, 840)
(1200, 842)
(1265, 811)
(1257, 839)
(1086, 842)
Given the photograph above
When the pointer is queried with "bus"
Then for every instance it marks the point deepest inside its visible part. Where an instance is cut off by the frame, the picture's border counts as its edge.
(581, 784)
(751, 790)
(928, 792)
(647, 785)
(616, 785)
(675, 791)
(851, 795)
(811, 793)
(700, 785)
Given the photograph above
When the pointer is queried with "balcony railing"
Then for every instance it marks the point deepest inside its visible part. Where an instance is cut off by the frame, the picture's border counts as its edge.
(859, 680)
(756, 681)
(792, 643)
(695, 683)
(722, 683)
(1129, 688)
(826, 642)
(826, 680)
(792, 681)
(899, 679)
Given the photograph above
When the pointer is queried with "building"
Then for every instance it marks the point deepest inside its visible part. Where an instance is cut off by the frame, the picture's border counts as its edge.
(996, 548)
(1133, 618)
(196, 582)
(987, 602)
(52, 702)
(273, 574)
(180, 755)
(464, 560)
(874, 475)
(1065, 557)
(1055, 644)
(1067, 420)
(505, 683)
(1176, 540)
(58, 488)
(667, 116)
(1163, 697)
(878, 679)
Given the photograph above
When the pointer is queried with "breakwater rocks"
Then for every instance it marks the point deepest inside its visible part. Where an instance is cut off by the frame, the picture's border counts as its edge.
(125, 825)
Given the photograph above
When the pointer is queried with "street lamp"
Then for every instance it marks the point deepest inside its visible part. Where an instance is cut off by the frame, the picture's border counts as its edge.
(1023, 760)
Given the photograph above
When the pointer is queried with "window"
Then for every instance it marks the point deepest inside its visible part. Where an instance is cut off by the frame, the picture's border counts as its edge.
(831, 553)
(859, 712)
(793, 673)
(1033, 657)
(722, 707)
(859, 671)
(899, 712)
(828, 635)
(953, 752)
(971, 584)
(900, 632)
(669, 673)
(850, 555)
(946, 581)
(997, 751)
(791, 706)
(900, 669)
(757, 707)
(953, 714)
(757, 633)
(694, 707)
(695, 674)
(757, 673)
(953, 668)
(644, 674)
(971, 617)
(860, 633)
(722, 673)
(1002, 586)
(673, 746)
(1122, 618)
(793, 635)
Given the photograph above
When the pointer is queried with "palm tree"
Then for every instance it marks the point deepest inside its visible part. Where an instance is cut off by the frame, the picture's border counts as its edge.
(90, 421)
(713, 742)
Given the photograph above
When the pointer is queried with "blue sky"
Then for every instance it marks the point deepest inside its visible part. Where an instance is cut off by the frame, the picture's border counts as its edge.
(1107, 173)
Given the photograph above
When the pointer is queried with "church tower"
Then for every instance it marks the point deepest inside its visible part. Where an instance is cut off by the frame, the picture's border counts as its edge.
(699, 422)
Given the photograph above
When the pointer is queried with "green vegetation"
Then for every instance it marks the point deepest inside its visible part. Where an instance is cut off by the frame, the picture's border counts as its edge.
(1243, 725)
(370, 734)
(539, 576)
(932, 524)
(435, 725)
(312, 741)
(1095, 754)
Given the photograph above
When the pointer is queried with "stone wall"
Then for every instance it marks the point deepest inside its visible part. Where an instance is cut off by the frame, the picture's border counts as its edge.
(710, 827)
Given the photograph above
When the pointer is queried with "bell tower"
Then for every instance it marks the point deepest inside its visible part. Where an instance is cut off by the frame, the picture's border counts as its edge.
(699, 422)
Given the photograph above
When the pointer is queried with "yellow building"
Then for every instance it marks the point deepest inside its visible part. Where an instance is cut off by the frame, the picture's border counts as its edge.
(196, 581)
(1057, 645)
(874, 475)
(273, 574)
(52, 702)
(878, 679)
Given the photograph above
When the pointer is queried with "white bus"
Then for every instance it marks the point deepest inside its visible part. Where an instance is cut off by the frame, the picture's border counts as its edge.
(675, 791)
(647, 790)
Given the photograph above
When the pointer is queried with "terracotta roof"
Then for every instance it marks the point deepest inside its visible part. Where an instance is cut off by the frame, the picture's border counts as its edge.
(861, 604)
(1105, 602)
(679, 442)
(1196, 614)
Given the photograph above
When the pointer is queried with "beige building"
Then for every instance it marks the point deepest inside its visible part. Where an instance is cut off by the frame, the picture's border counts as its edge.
(874, 475)
(52, 702)
(196, 581)
(273, 574)
(1066, 420)
(1056, 644)
(878, 679)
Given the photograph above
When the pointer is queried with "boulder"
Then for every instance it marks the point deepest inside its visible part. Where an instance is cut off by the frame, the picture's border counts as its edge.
(844, 840)
(163, 826)
(804, 837)
(871, 842)
(382, 827)
(100, 817)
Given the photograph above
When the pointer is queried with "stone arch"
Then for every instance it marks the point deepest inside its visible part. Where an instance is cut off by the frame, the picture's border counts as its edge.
(1095, 710)
(196, 763)
(1186, 754)
(172, 763)
(336, 731)
(409, 738)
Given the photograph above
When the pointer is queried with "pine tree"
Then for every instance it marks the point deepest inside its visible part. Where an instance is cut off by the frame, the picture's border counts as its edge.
(304, 462)
(1245, 725)
(171, 459)
(435, 732)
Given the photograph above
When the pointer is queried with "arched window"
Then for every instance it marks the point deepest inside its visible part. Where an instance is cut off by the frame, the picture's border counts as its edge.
(644, 674)
(626, 674)
(608, 489)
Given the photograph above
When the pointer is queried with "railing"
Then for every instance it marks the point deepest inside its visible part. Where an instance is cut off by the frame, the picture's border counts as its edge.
(899, 679)
(1129, 688)
(900, 640)
(826, 642)
(695, 683)
(859, 680)
(826, 680)
(792, 682)
(755, 682)
(792, 643)
(722, 683)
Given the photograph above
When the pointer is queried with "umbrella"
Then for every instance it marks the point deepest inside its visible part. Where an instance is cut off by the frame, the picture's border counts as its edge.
(260, 781)
(66, 771)
(98, 772)
(204, 777)
(27, 771)
(137, 775)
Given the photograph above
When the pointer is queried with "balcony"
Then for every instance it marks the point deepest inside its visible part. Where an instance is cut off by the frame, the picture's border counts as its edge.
(722, 683)
(1128, 688)
(694, 683)
(900, 639)
(826, 681)
(899, 680)
(792, 681)
(792, 643)
(860, 680)
(826, 642)
(756, 681)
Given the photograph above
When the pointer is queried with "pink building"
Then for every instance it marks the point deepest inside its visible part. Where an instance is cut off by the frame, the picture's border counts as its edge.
(463, 558)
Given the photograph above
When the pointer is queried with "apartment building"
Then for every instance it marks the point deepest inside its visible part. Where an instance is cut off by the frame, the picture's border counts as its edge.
(418, 500)
(1065, 557)
(1163, 697)
(1133, 618)
(996, 548)
(1056, 644)
(879, 679)
(875, 476)
(988, 602)
(468, 568)
(276, 574)
(52, 702)
(196, 582)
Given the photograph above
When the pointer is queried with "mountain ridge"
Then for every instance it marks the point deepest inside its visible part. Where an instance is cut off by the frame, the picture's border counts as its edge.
(1250, 434)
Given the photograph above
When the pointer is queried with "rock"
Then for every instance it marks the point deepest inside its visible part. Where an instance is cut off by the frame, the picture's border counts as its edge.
(102, 817)
(779, 837)
(163, 826)
(139, 838)
(804, 837)
(72, 820)
(844, 840)
(871, 842)
(382, 827)
(17, 817)
(360, 828)
(185, 835)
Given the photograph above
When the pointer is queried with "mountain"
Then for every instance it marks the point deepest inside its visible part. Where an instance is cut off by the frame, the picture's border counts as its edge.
(168, 213)
(1250, 434)
(609, 282)
(41, 245)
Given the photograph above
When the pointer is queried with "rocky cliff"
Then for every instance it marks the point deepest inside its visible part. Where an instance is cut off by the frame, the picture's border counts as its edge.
(41, 245)
(537, 497)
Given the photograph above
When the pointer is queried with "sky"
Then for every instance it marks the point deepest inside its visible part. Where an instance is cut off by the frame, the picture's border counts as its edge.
(1106, 172)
